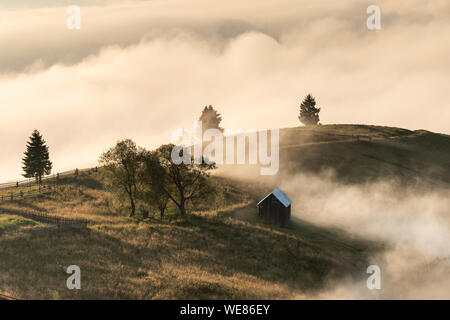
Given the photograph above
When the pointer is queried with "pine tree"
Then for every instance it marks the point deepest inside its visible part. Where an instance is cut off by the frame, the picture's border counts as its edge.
(36, 162)
(309, 114)
(210, 119)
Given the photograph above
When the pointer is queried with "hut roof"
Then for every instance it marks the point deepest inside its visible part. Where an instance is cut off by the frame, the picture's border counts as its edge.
(281, 196)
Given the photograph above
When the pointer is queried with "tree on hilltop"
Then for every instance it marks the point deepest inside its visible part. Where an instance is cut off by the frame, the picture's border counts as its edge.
(309, 114)
(210, 119)
(36, 162)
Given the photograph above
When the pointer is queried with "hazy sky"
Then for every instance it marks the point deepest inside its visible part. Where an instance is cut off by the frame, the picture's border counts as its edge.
(141, 69)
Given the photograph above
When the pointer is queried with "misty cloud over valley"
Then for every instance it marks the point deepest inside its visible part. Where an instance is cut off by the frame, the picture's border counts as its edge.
(143, 69)
(134, 66)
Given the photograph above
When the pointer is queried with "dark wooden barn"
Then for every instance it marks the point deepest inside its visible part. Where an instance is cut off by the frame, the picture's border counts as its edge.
(275, 208)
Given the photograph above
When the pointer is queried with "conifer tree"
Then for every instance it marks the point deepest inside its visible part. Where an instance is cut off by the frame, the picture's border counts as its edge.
(211, 119)
(309, 114)
(36, 162)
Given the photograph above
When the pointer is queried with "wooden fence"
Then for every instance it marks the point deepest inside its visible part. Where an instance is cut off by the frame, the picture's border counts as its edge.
(60, 222)
(49, 184)
(24, 194)
(31, 182)
(55, 223)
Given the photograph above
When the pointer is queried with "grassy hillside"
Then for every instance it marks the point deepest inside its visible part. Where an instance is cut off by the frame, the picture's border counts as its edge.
(221, 250)
(12, 223)
(413, 157)
(222, 253)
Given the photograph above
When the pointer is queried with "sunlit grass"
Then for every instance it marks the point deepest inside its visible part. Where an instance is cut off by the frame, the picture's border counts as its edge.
(221, 253)
(12, 223)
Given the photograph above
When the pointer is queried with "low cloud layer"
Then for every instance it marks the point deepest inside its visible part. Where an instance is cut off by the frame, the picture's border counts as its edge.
(141, 69)
(411, 226)
(414, 226)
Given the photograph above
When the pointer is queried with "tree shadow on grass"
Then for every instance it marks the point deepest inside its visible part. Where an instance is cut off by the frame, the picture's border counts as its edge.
(35, 265)
(301, 257)
(28, 205)
(13, 211)
(90, 182)
(179, 260)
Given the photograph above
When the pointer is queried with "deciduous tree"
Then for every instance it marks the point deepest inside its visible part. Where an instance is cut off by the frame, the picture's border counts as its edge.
(154, 183)
(121, 170)
(185, 182)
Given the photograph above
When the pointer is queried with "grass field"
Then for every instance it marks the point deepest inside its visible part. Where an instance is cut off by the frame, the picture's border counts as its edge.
(221, 250)
(412, 157)
(223, 253)
(12, 223)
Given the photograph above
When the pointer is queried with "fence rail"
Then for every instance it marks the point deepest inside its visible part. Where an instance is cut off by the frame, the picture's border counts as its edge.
(50, 184)
(24, 194)
(27, 182)
(31, 181)
(56, 223)
(55, 220)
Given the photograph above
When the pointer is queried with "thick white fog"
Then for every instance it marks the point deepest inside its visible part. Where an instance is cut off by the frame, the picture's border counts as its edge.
(141, 69)
(413, 224)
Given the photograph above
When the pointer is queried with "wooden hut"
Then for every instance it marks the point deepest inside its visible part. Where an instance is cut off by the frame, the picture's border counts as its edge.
(275, 208)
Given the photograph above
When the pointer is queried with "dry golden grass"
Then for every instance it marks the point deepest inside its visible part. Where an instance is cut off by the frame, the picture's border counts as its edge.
(220, 254)
(12, 224)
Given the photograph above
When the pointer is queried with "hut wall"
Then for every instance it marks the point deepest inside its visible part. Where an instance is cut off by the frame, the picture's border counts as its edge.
(271, 210)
